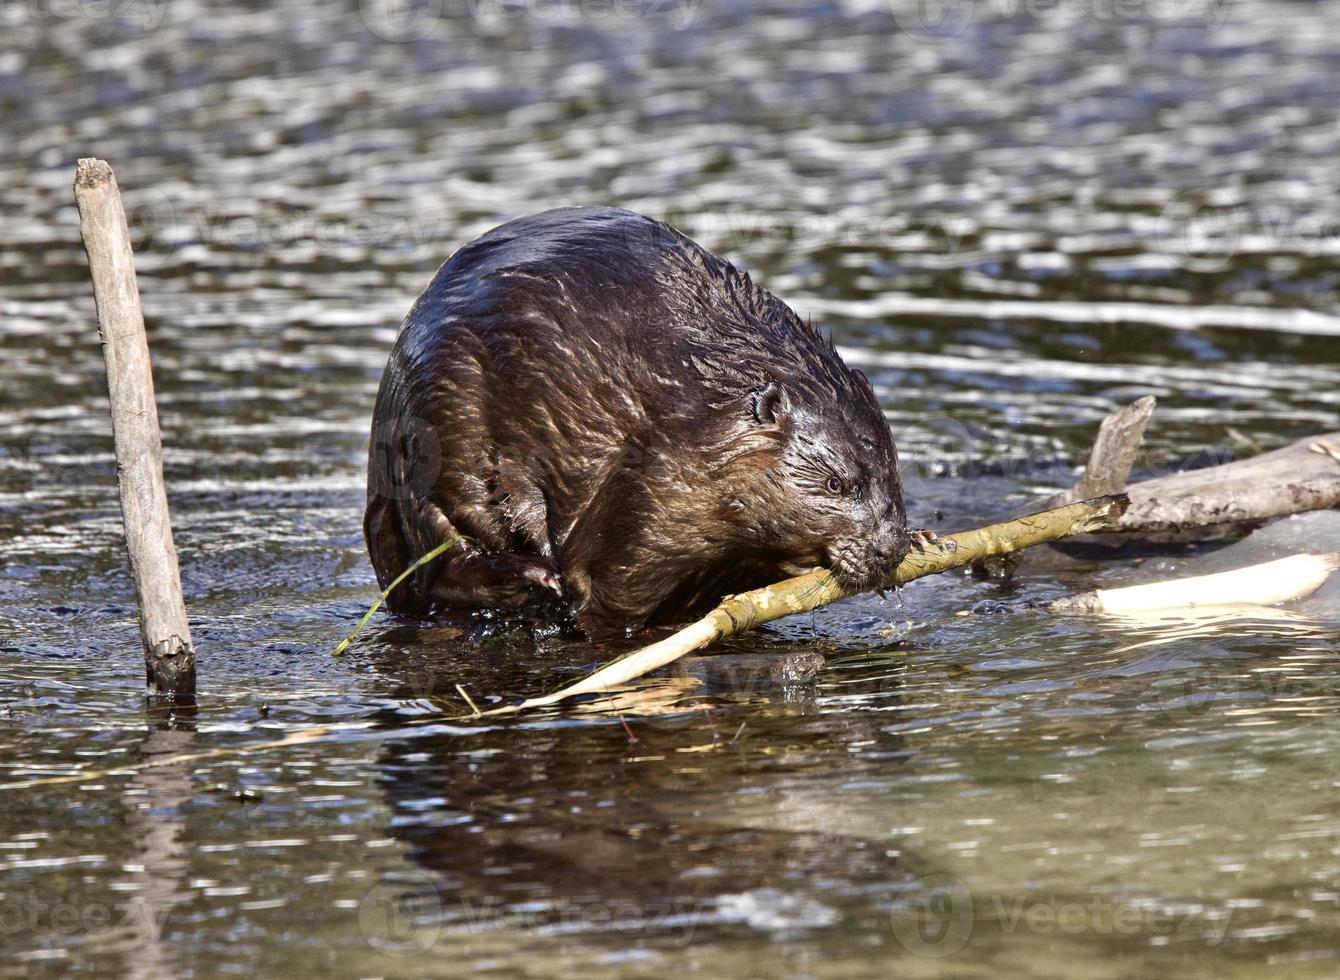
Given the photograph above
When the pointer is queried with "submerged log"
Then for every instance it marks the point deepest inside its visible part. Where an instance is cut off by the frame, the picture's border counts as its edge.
(1302, 476)
(1197, 504)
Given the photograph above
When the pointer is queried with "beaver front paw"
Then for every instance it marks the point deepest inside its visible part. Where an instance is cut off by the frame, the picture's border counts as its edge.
(506, 581)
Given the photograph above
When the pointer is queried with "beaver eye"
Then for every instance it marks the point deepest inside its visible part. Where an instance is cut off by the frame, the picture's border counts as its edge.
(834, 486)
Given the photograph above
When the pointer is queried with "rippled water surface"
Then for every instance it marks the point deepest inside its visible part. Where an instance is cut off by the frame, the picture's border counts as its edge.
(1013, 217)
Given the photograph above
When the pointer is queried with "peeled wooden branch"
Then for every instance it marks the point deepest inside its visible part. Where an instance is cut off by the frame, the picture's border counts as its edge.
(168, 655)
(1253, 585)
(805, 593)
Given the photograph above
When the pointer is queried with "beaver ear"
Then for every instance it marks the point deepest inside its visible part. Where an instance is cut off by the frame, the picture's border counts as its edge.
(770, 403)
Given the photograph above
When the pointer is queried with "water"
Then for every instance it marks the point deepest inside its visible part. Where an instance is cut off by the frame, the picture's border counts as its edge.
(1015, 219)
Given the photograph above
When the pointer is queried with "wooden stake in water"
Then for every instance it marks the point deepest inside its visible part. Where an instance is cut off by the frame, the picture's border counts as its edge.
(168, 654)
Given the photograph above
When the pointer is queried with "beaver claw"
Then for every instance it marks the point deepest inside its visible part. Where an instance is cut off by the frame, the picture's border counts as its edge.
(545, 577)
(923, 537)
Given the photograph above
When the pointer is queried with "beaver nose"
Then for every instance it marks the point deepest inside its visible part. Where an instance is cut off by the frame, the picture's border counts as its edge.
(889, 546)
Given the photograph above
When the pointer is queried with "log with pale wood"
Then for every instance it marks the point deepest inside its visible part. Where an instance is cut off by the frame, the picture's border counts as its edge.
(1114, 452)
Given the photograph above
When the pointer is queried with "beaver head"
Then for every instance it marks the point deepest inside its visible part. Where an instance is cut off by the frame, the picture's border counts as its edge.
(812, 474)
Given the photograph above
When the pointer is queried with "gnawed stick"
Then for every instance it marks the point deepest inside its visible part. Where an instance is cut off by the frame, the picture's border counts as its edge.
(169, 656)
(1264, 584)
(808, 592)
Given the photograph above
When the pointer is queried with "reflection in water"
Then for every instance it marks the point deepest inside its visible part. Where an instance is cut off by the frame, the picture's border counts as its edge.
(1012, 223)
(517, 831)
(158, 877)
(1160, 627)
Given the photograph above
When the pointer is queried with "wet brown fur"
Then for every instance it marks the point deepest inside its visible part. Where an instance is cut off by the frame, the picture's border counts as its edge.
(611, 412)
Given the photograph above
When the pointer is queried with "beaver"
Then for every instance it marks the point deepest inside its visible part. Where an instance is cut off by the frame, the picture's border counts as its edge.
(609, 413)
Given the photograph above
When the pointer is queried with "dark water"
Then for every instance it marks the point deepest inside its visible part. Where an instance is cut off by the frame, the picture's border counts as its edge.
(1014, 216)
